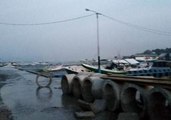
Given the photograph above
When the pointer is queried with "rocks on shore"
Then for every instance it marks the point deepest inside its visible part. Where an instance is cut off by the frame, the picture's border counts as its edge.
(5, 113)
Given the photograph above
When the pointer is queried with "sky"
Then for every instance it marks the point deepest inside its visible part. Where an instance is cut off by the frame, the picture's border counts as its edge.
(76, 40)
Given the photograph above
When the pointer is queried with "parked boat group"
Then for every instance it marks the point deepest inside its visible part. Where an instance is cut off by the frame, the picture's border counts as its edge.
(144, 66)
(123, 89)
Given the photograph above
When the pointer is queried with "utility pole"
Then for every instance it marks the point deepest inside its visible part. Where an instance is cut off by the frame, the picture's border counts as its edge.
(98, 46)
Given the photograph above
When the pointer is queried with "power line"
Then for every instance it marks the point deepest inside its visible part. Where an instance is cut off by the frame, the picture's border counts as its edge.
(139, 27)
(85, 16)
(46, 23)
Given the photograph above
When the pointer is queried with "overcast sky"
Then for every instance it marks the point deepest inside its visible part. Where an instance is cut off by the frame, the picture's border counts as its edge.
(76, 40)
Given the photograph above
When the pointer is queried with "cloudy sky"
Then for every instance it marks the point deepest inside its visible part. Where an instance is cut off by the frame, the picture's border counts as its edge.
(76, 40)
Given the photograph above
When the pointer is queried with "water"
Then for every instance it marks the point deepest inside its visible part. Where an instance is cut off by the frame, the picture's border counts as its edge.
(27, 101)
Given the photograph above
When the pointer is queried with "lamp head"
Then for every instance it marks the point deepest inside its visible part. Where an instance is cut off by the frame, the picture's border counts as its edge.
(87, 9)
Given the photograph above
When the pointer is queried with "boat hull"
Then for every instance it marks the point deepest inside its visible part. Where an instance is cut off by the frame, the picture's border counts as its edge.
(103, 71)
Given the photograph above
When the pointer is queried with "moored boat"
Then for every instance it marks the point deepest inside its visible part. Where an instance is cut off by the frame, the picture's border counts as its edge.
(104, 70)
(153, 69)
(156, 69)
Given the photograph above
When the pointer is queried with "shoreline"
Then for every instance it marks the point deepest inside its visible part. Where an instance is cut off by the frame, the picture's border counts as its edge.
(5, 113)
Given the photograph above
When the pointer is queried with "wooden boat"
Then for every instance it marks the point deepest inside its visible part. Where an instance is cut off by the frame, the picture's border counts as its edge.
(103, 70)
(157, 69)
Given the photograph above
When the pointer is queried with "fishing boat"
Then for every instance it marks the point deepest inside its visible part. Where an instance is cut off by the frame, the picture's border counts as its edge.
(104, 70)
(54, 68)
(69, 68)
(154, 69)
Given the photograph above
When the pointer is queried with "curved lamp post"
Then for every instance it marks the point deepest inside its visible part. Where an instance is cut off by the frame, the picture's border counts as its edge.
(98, 46)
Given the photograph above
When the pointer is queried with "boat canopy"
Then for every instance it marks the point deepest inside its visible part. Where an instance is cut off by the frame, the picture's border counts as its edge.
(120, 62)
(126, 61)
(132, 61)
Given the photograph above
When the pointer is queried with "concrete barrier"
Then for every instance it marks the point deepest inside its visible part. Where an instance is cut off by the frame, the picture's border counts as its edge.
(66, 83)
(159, 104)
(133, 98)
(128, 116)
(111, 93)
(76, 85)
(68, 101)
(91, 88)
(97, 106)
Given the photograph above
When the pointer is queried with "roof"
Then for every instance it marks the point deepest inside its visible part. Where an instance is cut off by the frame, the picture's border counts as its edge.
(120, 61)
(126, 61)
(132, 61)
(145, 55)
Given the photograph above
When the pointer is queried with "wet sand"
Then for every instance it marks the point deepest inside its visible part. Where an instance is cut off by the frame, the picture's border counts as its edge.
(5, 113)
(26, 101)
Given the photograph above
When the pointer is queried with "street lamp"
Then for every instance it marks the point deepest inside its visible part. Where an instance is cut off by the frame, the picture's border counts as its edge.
(98, 46)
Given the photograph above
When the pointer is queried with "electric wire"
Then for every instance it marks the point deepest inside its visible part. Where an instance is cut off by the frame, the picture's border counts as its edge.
(138, 26)
(47, 23)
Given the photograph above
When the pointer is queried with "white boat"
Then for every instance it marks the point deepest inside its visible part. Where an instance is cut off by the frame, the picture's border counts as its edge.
(70, 69)
(54, 68)
(156, 69)
(75, 69)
